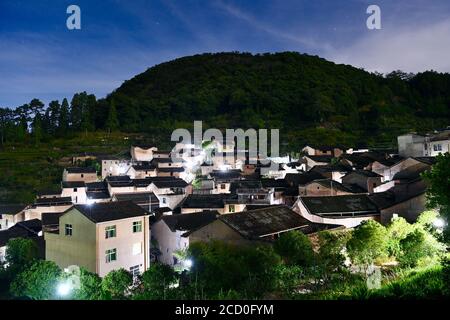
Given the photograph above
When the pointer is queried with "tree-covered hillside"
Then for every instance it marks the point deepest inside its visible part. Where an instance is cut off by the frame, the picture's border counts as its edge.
(307, 97)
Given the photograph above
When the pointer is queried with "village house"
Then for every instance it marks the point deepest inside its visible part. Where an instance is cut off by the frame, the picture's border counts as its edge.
(142, 171)
(415, 145)
(347, 210)
(76, 190)
(115, 166)
(260, 226)
(407, 200)
(40, 205)
(365, 179)
(142, 153)
(80, 174)
(101, 238)
(323, 187)
(211, 202)
(30, 229)
(400, 165)
(97, 192)
(277, 189)
(171, 233)
(332, 171)
(10, 214)
(223, 179)
(147, 200)
(356, 161)
(322, 151)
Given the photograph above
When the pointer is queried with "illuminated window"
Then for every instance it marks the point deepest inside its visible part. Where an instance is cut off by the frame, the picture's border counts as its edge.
(232, 208)
(111, 255)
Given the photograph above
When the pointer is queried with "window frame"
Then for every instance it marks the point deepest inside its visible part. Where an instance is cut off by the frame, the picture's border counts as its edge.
(110, 254)
(137, 225)
(68, 227)
(110, 229)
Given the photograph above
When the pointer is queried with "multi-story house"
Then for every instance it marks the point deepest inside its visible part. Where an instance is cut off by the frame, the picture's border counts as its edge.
(102, 237)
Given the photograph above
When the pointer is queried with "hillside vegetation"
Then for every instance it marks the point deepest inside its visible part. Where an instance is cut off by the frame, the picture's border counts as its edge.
(308, 98)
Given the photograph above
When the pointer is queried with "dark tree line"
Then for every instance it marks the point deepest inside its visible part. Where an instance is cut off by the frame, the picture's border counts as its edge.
(34, 122)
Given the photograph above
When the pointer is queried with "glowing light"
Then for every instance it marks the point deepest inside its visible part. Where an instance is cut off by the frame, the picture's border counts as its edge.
(439, 223)
(64, 288)
(188, 263)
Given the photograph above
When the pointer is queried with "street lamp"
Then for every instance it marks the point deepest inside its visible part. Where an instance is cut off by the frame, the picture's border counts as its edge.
(439, 223)
(188, 263)
(64, 288)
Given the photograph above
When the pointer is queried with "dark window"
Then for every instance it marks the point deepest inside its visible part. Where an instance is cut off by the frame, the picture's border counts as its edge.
(68, 230)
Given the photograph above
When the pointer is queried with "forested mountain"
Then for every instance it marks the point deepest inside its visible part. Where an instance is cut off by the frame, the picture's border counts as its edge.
(308, 98)
(296, 93)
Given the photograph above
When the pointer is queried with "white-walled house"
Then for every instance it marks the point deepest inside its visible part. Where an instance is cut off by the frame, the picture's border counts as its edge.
(171, 233)
(10, 214)
(346, 210)
(76, 190)
(80, 174)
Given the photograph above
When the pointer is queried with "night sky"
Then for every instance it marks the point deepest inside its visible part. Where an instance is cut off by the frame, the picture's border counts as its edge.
(40, 57)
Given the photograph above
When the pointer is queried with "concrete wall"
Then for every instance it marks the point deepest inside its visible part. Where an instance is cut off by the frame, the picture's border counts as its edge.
(86, 177)
(87, 245)
(78, 196)
(411, 145)
(217, 230)
(168, 242)
(78, 249)
(126, 242)
(410, 209)
(314, 189)
(36, 212)
(348, 222)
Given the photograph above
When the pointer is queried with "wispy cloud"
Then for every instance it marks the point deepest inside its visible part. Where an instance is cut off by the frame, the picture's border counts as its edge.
(293, 39)
(412, 49)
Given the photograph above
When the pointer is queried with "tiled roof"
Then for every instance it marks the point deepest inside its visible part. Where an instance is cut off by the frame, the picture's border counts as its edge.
(73, 184)
(110, 211)
(189, 222)
(11, 208)
(256, 224)
(340, 205)
(81, 170)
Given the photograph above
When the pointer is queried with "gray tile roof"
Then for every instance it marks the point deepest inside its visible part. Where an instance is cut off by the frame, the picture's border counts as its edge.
(352, 205)
(256, 224)
(110, 211)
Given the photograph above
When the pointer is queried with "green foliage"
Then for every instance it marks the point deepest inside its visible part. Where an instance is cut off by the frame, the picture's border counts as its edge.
(446, 276)
(426, 284)
(117, 283)
(413, 248)
(90, 287)
(368, 243)
(397, 230)
(112, 123)
(39, 281)
(20, 253)
(438, 194)
(248, 270)
(156, 282)
(295, 248)
(330, 259)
